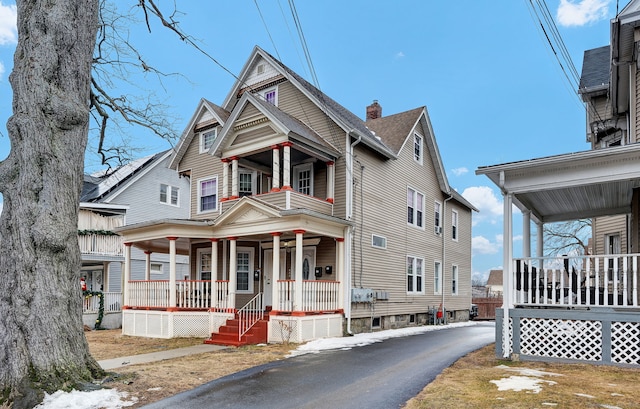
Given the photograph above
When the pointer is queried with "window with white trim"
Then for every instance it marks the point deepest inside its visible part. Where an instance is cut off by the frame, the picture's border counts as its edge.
(244, 268)
(247, 181)
(207, 138)
(204, 264)
(169, 194)
(415, 275)
(303, 178)
(156, 268)
(378, 241)
(417, 148)
(415, 208)
(270, 95)
(437, 217)
(454, 280)
(208, 195)
(437, 278)
(454, 225)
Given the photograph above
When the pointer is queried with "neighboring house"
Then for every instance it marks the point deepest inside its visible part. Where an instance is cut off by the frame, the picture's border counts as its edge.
(143, 189)
(494, 283)
(581, 308)
(330, 223)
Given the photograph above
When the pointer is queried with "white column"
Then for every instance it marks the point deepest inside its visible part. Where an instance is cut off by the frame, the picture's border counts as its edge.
(340, 272)
(147, 268)
(225, 179)
(507, 276)
(233, 276)
(127, 273)
(275, 169)
(275, 273)
(213, 303)
(331, 171)
(286, 166)
(234, 178)
(526, 234)
(297, 300)
(172, 272)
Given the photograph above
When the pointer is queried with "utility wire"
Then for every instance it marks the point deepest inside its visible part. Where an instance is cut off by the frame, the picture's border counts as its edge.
(266, 27)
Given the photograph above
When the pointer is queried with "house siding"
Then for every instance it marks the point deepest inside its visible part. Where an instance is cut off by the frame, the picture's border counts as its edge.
(603, 226)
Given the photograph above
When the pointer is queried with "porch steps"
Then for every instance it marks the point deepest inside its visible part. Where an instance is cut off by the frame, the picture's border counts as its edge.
(228, 334)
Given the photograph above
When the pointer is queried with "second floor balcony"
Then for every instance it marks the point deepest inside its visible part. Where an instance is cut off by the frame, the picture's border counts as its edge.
(100, 244)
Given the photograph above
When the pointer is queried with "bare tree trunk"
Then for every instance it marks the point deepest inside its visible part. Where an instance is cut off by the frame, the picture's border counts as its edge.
(42, 344)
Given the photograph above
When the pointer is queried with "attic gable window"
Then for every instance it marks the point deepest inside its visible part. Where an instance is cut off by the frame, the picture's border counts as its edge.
(206, 139)
(417, 148)
(270, 95)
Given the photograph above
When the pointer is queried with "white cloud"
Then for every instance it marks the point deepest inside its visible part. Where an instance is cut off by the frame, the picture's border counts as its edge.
(460, 171)
(484, 199)
(573, 13)
(8, 24)
(482, 245)
(399, 54)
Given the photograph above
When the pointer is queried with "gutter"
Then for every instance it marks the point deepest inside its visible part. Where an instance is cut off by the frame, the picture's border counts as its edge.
(444, 212)
(350, 229)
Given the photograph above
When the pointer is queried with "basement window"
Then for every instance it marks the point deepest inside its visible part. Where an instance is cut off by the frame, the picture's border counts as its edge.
(375, 322)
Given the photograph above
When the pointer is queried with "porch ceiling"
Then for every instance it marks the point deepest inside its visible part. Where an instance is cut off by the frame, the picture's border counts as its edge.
(571, 186)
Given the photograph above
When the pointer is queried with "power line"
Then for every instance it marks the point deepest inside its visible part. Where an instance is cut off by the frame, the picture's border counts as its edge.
(266, 27)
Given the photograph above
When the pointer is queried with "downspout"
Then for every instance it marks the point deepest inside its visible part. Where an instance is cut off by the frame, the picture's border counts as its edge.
(444, 213)
(349, 247)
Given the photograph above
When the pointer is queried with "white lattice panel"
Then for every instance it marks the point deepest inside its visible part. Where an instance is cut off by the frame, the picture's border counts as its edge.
(284, 330)
(567, 339)
(625, 342)
(191, 325)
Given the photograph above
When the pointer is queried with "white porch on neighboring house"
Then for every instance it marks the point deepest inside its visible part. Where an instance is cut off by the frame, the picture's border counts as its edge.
(297, 306)
(575, 308)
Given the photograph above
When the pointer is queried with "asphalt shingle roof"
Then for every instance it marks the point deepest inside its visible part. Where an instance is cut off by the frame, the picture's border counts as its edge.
(595, 69)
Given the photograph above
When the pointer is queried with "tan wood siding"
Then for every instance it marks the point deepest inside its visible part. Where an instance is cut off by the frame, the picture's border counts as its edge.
(603, 226)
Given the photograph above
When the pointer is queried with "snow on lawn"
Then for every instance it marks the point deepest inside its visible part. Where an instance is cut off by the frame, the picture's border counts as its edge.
(527, 380)
(112, 399)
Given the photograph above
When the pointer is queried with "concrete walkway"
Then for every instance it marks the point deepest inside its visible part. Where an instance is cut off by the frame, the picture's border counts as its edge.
(108, 364)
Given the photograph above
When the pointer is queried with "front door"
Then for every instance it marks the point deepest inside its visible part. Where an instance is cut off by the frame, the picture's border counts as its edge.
(267, 275)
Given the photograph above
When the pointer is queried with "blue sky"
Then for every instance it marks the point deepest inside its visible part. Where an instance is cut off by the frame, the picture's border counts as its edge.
(494, 91)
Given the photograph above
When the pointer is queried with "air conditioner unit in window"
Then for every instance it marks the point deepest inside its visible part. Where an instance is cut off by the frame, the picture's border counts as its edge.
(438, 230)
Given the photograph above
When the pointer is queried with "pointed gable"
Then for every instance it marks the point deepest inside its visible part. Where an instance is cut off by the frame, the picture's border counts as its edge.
(206, 115)
(248, 211)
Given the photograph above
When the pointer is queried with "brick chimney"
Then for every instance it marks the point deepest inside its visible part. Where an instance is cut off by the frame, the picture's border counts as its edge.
(374, 110)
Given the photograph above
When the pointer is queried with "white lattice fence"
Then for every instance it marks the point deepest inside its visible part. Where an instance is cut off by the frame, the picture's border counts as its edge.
(191, 324)
(566, 339)
(625, 342)
(284, 330)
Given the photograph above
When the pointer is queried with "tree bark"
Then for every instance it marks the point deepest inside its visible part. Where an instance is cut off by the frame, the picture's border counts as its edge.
(42, 344)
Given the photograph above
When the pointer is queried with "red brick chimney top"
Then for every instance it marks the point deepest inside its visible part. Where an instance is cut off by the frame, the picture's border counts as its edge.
(374, 110)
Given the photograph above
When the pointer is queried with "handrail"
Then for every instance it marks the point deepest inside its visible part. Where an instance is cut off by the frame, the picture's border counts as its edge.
(249, 315)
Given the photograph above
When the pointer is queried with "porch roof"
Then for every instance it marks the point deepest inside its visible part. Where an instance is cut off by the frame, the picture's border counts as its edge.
(571, 186)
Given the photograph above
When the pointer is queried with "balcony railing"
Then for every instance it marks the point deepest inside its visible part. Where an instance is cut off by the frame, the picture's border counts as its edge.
(288, 199)
(101, 245)
(112, 303)
(589, 281)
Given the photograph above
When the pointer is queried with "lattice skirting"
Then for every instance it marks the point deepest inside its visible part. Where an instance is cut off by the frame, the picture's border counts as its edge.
(285, 328)
(602, 336)
(163, 324)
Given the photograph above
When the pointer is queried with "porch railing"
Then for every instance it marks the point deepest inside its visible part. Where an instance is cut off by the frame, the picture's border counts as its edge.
(112, 303)
(99, 244)
(590, 281)
(249, 315)
(190, 294)
(317, 295)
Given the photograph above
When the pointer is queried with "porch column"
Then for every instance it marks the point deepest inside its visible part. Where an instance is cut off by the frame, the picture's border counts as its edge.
(286, 166)
(233, 272)
(213, 301)
(275, 273)
(526, 234)
(331, 171)
(275, 169)
(297, 292)
(172, 272)
(507, 276)
(127, 273)
(340, 272)
(147, 268)
(540, 241)
(225, 179)
(234, 178)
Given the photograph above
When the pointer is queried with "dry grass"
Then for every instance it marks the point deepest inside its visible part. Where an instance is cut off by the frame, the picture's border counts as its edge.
(466, 384)
(158, 380)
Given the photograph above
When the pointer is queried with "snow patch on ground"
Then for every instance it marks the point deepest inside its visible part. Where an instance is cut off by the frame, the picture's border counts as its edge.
(521, 383)
(100, 399)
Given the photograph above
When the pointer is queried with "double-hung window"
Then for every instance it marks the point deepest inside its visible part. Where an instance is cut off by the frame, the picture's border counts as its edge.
(270, 95)
(204, 264)
(169, 194)
(303, 178)
(417, 148)
(207, 138)
(437, 278)
(244, 266)
(208, 195)
(454, 280)
(415, 275)
(246, 182)
(454, 225)
(415, 208)
(437, 217)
